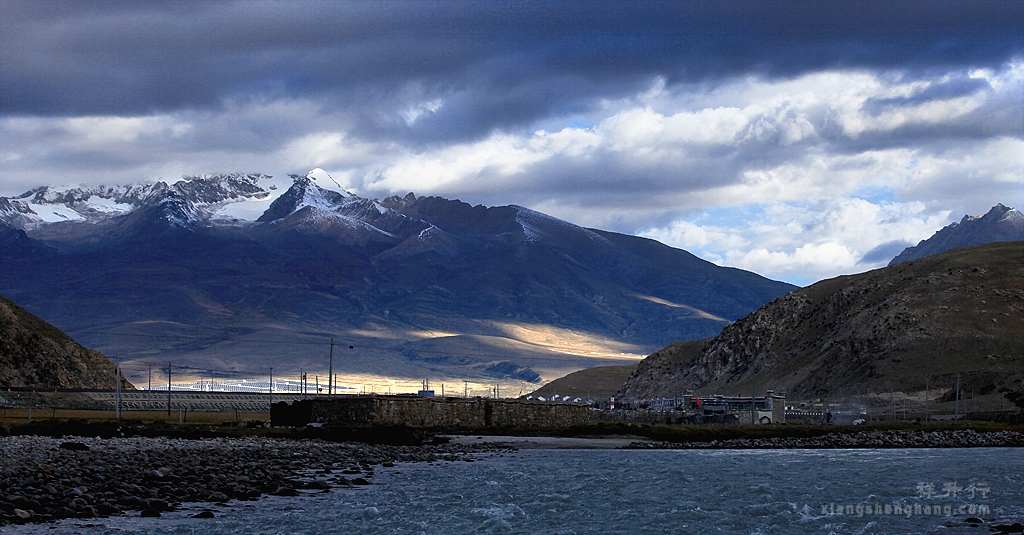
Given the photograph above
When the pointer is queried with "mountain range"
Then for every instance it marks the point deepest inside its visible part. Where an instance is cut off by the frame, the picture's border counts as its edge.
(241, 273)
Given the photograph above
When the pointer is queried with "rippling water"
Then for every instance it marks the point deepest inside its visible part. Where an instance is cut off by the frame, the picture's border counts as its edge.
(636, 492)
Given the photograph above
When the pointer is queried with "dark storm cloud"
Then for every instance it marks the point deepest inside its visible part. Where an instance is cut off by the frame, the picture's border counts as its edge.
(960, 86)
(791, 138)
(497, 66)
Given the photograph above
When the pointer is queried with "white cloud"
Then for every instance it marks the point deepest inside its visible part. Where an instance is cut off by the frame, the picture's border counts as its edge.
(101, 132)
(808, 258)
(691, 236)
(802, 243)
(498, 156)
(801, 176)
(335, 150)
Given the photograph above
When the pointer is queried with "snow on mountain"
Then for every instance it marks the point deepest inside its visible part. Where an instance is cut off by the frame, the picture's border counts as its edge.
(1013, 217)
(204, 190)
(539, 226)
(318, 201)
(315, 202)
(54, 213)
(247, 209)
(316, 189)
(325, 181)
(52, 204)
(199, 197)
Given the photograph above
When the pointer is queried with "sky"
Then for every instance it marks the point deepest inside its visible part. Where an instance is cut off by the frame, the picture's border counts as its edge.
(800, 140)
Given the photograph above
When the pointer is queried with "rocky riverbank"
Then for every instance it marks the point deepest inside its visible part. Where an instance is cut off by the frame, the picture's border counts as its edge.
(966, 438)
(44, 479)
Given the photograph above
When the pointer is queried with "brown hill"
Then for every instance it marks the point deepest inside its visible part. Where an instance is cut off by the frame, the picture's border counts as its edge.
(891, 329)
(35, 354)
(597, 383)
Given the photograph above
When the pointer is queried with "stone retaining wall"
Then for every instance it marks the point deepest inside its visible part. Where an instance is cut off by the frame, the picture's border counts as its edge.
(432, 412)
(462, 413)
(525, 414)
(423, 412)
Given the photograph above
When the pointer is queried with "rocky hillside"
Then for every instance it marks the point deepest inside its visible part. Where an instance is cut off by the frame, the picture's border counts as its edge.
(999, 224)
(885, 330)
(35, 354)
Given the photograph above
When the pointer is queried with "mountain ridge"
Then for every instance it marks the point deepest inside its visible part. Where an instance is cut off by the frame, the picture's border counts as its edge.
(502, 288)
(999, 224)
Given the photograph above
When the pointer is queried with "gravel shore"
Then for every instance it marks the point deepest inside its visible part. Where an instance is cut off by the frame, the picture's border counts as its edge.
(44, 479)
(967, 438)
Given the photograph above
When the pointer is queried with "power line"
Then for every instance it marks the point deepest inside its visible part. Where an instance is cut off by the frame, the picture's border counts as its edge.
(351, 346)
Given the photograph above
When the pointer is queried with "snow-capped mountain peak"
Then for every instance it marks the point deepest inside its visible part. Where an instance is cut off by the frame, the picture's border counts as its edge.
(316, 189)
(1001, 223)
(199, 196)
(326, 182)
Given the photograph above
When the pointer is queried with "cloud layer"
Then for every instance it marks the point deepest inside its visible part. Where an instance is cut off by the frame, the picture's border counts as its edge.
(797, 141)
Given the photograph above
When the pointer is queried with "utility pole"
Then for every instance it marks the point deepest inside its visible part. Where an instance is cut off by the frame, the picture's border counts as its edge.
(753, 408)
(149, 391)
(271, 387)
(168, 389)
(465, 394)
(117, 386)
(956, 415)
(330, 369)
(926, 398)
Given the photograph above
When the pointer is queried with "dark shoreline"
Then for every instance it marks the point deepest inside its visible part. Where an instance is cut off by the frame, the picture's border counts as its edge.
(960, 438)
(44, 479)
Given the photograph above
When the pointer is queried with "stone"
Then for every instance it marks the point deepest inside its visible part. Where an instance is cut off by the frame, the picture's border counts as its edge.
(59, 484)
(150, 513)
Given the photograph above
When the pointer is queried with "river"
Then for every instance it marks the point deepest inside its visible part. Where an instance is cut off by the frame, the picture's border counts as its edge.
(602, 491)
